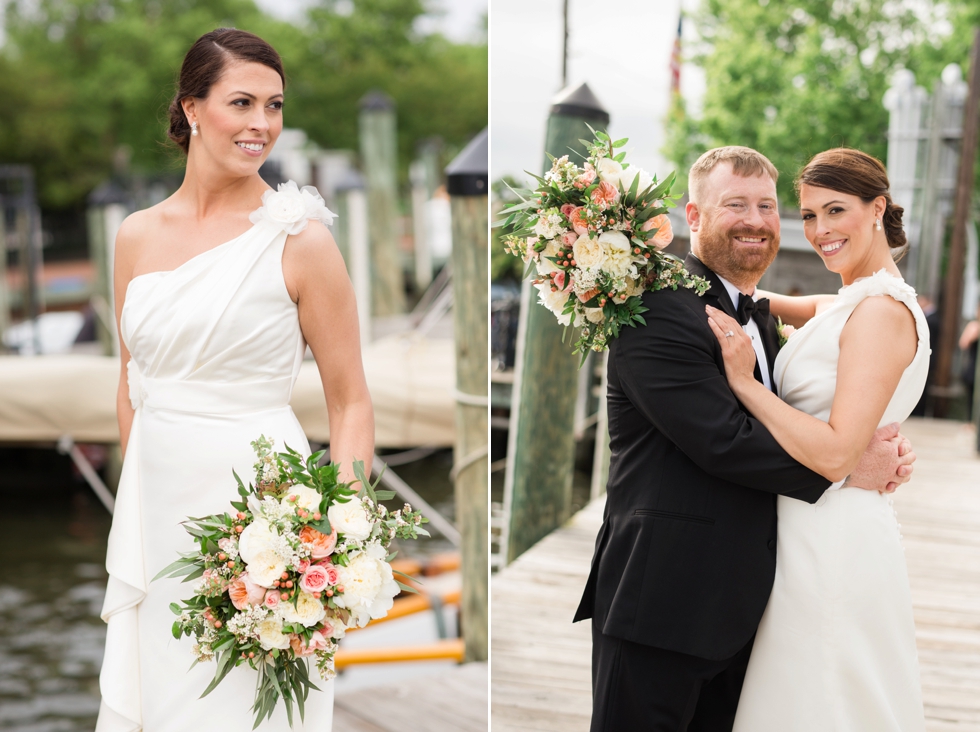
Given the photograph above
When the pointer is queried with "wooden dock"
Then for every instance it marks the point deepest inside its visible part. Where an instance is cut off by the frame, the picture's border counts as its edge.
(452, 702)
(541, 676)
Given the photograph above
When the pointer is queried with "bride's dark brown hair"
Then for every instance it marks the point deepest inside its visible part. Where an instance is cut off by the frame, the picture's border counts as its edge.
(203, 66)
(856, 173)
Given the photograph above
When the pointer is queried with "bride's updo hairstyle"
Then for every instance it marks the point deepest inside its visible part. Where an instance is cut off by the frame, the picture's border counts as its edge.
(858, 174)
(203, 66)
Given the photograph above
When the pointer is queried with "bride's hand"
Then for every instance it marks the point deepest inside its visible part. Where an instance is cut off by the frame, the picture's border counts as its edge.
(736, 346)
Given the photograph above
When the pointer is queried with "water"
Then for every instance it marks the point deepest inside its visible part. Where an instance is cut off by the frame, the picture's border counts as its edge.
(53, 534)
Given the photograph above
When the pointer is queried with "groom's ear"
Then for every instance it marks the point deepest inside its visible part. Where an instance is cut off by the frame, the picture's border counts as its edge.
(693, 216)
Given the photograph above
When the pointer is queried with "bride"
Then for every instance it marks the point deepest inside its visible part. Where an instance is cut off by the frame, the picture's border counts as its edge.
(219, 289)
(836, 646)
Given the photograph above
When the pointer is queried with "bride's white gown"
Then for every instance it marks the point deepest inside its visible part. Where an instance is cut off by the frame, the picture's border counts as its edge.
(835, 651)
(216, 346)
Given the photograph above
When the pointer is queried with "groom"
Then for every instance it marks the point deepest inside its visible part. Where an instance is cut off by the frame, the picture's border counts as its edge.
(685, 559)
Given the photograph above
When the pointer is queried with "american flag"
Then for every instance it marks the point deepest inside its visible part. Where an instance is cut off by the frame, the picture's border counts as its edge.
(675, 61)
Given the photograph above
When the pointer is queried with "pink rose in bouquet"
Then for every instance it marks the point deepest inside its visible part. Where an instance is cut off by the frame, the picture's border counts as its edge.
(315, 579)
(664, 235)
(578, 220)
(605, 194)
(322, 544)
(244, 592)
(318, 642)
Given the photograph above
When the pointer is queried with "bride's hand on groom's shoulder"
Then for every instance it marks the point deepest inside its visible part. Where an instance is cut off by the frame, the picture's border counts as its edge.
(885, 464)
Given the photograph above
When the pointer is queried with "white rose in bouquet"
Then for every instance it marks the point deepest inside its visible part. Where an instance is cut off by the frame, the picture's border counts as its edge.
(369, 585)
(616, 248)
(271, 635)
(611, 171)
(588, 253)
(308, 611)
(633, 287)
(594, 315)
(350, 519)
(306, 497)
(554, 301)
(646, 180)
(266, 567)
(258, 536)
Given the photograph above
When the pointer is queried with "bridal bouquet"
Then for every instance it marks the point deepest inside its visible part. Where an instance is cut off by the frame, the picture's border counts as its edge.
(302, 558)
(594, 235)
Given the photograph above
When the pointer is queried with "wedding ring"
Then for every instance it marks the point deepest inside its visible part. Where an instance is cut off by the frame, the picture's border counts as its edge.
(729, 334)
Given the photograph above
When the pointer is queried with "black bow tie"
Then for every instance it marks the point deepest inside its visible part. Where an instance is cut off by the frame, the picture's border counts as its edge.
(758, 310)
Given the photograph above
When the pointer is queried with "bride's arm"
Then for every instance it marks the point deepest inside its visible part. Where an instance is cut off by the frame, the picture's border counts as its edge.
(122, 272)
(877, 344)
(795, 310)
(317, 281)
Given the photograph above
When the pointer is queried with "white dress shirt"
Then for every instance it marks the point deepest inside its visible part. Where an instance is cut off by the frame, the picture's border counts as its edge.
(752, 328)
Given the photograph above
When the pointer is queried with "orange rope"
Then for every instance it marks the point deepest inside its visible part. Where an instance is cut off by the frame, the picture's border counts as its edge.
(453, 650)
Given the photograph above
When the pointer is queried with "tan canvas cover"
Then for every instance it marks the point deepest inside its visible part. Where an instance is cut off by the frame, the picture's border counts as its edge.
(411, 382)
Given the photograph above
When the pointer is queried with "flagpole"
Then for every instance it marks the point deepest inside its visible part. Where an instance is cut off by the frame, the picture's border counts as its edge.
(564, 48)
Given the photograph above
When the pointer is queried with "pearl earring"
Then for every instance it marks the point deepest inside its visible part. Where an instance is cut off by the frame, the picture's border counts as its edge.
(194, 132)
(877, 221)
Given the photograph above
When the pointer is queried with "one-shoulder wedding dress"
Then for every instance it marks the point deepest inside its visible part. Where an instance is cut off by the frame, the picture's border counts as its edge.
(835, 651)
(216, 346)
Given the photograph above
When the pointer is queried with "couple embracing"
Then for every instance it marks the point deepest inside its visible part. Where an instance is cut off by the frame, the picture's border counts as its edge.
(703, 617)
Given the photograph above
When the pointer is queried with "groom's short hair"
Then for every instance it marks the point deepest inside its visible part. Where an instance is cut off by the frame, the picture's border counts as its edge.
(745, 162)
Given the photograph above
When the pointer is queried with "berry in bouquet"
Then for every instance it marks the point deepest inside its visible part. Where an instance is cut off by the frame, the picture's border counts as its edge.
(302, 558)
(594, 236)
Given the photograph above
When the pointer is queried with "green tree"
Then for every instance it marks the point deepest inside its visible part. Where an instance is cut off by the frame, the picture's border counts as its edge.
(792, 78)
(82, 79)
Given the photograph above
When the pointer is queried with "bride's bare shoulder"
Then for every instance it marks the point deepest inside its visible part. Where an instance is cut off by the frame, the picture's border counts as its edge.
(882, 324)
(141, 225)
(141, 229)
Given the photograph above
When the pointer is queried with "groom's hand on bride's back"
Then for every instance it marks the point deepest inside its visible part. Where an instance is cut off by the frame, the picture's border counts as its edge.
(885, 464)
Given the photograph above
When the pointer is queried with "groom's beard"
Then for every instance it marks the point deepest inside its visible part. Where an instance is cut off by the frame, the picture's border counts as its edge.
(740, 265)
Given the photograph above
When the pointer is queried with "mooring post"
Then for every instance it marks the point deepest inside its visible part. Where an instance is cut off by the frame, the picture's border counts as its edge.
(541, 447)
(352, 221)
(953, 288)
(379, 156)
(108, 206)
(466, 182)
(4, 299)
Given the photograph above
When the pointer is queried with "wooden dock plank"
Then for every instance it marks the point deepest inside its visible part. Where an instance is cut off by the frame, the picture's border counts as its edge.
(451, 702)
(541, 675)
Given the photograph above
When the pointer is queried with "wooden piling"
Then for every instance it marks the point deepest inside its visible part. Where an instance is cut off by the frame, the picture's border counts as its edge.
(953, 288)
(379, 163)
(541, 449)
(467, 185)
(4, 298)
(108, 206)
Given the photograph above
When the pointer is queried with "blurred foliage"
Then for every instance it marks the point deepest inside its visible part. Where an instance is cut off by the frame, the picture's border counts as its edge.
(85, 79)
(792, 78)
(503, 266)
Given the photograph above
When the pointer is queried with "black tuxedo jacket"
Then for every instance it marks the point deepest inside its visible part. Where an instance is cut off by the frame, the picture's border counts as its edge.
(686, 555)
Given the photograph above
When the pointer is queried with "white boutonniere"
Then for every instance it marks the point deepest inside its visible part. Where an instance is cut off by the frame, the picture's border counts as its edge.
(290, 208)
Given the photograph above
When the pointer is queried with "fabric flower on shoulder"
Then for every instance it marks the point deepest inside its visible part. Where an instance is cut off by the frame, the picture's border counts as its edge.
(290, 208)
